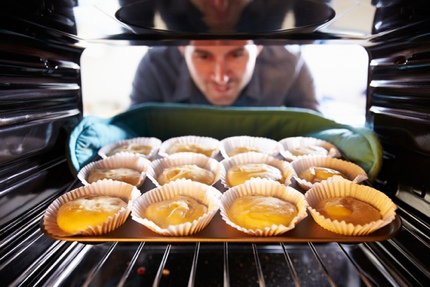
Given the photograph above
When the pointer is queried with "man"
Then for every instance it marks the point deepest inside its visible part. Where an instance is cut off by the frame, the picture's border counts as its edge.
(224, 73)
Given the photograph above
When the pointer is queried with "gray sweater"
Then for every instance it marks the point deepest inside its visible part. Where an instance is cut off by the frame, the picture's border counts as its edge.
(281, 78)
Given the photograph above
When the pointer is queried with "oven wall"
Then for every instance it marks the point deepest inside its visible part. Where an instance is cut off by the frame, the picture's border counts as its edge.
(398, 110)
(40, 103)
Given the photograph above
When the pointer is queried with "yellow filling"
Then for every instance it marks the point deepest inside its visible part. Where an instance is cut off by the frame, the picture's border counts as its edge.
(337, 210)
(121, 174)
(191, 147)
(238, 174)
(348, 209)
(134, 148)
(258, 212)
(188, 171)
(175, 211)
(242, 149)
(316, 174)
(309, 150)
(79, 214)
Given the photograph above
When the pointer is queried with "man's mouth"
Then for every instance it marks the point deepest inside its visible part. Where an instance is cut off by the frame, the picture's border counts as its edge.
(222, 89)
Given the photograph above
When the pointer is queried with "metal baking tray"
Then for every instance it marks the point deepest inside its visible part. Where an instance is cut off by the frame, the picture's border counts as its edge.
(218, 231)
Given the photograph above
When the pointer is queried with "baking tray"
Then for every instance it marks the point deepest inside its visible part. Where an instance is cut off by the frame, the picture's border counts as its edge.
(218, 231)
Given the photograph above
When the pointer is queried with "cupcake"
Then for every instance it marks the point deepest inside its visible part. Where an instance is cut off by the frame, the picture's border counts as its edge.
(146, 147)
(295, 147)
(263, 207)
(348, 208)
(193, 166)
(126, 167)
(311, 170)
(242, 167)
(179, 208)
(232, 146)
(197, 144)
(90, 210)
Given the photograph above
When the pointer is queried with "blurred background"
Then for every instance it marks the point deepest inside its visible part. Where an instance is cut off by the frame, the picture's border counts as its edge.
(340, 72)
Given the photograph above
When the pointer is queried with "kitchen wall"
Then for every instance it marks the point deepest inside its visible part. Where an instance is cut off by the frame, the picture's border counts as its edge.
(340, 73)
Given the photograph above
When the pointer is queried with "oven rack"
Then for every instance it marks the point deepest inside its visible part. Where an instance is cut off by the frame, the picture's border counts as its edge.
(61, 263)
(29, 258)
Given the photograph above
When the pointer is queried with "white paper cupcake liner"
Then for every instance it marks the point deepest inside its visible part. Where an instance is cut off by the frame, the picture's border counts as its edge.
(341, 188)
(146, 141)
(120, 160)
(184, 158)
(253, 157)
(208, 142)
(291, 143)
(264, 187)
(203, 193)
(352, 171)
(263, 145)
(125, 191)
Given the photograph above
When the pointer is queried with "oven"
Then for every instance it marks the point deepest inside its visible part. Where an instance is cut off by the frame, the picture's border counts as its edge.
(42, 101)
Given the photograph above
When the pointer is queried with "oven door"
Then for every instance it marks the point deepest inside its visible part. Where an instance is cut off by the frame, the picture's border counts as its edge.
(41, 102)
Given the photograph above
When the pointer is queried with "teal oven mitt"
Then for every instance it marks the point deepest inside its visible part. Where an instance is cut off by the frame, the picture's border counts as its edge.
(89, 136)
(163, 121)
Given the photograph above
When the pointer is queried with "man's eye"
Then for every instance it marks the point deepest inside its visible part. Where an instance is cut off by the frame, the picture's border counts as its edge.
(202, 55)
(237, 53)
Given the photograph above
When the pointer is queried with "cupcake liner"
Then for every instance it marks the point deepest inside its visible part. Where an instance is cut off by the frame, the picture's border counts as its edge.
(264, 187)
(184, 158)
(106, 187)
(291, 143)
(120, 160)
(210, 143)
(261, 144)
(341, 188)
(146, 141)
(203, 193)
(352, 171)
(253, 157)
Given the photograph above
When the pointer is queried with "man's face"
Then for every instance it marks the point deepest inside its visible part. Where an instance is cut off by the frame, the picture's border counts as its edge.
(221, 15)
(221, 69)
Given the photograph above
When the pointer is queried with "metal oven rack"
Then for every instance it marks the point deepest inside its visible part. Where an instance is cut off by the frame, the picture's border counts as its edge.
(29, 258)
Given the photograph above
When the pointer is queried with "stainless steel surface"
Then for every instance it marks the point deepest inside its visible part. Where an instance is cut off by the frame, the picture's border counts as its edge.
(37, 35)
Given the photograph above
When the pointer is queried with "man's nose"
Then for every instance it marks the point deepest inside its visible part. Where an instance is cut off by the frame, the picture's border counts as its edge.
(221, 5)
(221, 74)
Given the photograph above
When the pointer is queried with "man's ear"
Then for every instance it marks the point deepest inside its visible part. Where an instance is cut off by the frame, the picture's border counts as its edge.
(181, 49)
(259, 49)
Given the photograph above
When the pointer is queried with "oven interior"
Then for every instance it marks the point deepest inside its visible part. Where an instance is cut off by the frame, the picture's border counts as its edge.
(43, 85)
